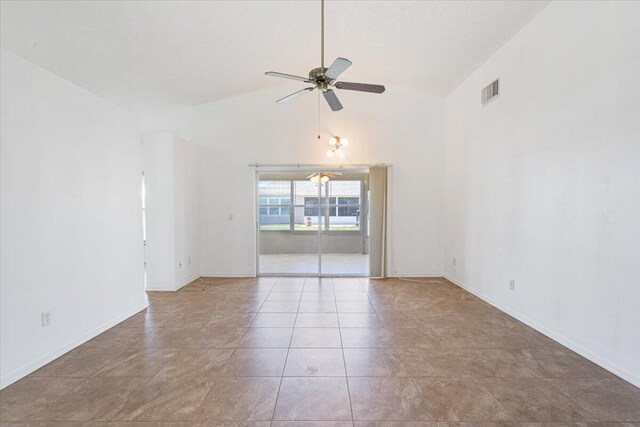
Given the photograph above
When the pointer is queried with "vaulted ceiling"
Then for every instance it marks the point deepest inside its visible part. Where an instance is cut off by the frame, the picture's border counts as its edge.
(180, 53)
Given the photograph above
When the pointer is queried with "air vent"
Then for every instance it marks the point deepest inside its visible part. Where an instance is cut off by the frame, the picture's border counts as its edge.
(489, 92)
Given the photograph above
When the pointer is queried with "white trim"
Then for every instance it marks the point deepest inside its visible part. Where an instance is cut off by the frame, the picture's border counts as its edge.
(181, 285)
(189, 280)
(422, 275)
(29, 367)
(160, 289)
(565, 341)
(223, 274)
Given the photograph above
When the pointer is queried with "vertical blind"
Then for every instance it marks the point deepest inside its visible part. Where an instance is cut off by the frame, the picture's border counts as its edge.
(378, 221)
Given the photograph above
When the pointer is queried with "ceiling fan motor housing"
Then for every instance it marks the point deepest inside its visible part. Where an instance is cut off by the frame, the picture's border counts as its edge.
(317, 76)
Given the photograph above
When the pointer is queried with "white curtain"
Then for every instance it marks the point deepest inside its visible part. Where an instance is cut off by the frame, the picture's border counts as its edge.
(378, 221)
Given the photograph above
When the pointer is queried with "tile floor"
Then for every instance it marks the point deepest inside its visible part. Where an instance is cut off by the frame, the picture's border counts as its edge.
(303, 264)
(308, 352)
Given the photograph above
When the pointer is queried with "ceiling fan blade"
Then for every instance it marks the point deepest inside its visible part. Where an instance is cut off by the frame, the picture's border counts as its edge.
(360, 87)
(287, 76)
(332, 100)
(337, 68)
(294, 95)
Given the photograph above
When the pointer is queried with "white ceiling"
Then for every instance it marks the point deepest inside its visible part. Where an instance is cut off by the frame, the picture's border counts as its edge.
(178, 53)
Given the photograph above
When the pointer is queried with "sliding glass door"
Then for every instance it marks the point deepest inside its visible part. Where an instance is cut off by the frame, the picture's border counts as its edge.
(344, 244)
(312, 223)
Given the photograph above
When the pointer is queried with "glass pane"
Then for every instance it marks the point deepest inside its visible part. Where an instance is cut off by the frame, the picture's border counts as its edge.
(344, 244)
(285, 248)
(274, 189)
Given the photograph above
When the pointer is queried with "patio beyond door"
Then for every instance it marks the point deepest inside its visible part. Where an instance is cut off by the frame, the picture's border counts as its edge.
(312, 223)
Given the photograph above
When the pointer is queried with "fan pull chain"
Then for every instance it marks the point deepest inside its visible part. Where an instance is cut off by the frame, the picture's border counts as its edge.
(318, 123)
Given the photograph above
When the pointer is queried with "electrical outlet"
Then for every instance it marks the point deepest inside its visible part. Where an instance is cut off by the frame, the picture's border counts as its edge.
(453, 261)
(512, 285)
(45, 318)
(180, 265)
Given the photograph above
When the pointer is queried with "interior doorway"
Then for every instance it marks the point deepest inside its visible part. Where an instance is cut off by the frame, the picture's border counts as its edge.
(312, 222)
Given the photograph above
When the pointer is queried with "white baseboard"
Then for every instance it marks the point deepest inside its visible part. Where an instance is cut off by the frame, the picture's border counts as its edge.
(29, 367)
(422, 275)
(178, 286)
(565, 341)
(227, 274)
(159, 289)
(186, 282)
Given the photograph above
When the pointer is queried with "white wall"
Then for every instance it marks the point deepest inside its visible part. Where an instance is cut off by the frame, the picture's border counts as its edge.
(172, 253)
(400, 127)
(160, 251)
(543, 184)
(70, 220)
(186, 211)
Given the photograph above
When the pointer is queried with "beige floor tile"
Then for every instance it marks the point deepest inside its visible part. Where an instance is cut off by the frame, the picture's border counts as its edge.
(274, 320)
(608, 399)
(434, 363)
(196, 363)
(387, 399)
(493, 363)
(415, 338)
(352, 296)
(230, 320)
(317, 307)
(320, 296)
(366, 338)
(316, 338)
(312, 424)
(255, 362)
(312, 399)
(557, 363)
(317, 320)
(460, 399)
(534, 399)
(399, 424)
(284, 296)
(266, 338)
(29, 396)
(374, 362)
(165, 399)
(355, 307)
(194, 337)
(240, 399)
(280, 307)
(80, 362)
(139, 363)
(359, 320)
(95, 399)
(315, 362)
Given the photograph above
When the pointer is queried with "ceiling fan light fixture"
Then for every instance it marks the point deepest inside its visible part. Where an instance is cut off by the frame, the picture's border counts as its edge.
(337, 147)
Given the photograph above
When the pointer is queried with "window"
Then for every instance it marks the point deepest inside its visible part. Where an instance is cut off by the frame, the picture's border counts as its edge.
(348, 206)
(274, 206)
(311, 206)
(292, 205)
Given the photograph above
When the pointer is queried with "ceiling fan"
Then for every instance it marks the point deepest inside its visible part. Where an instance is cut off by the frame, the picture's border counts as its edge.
(324, 79)
(323, 177)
